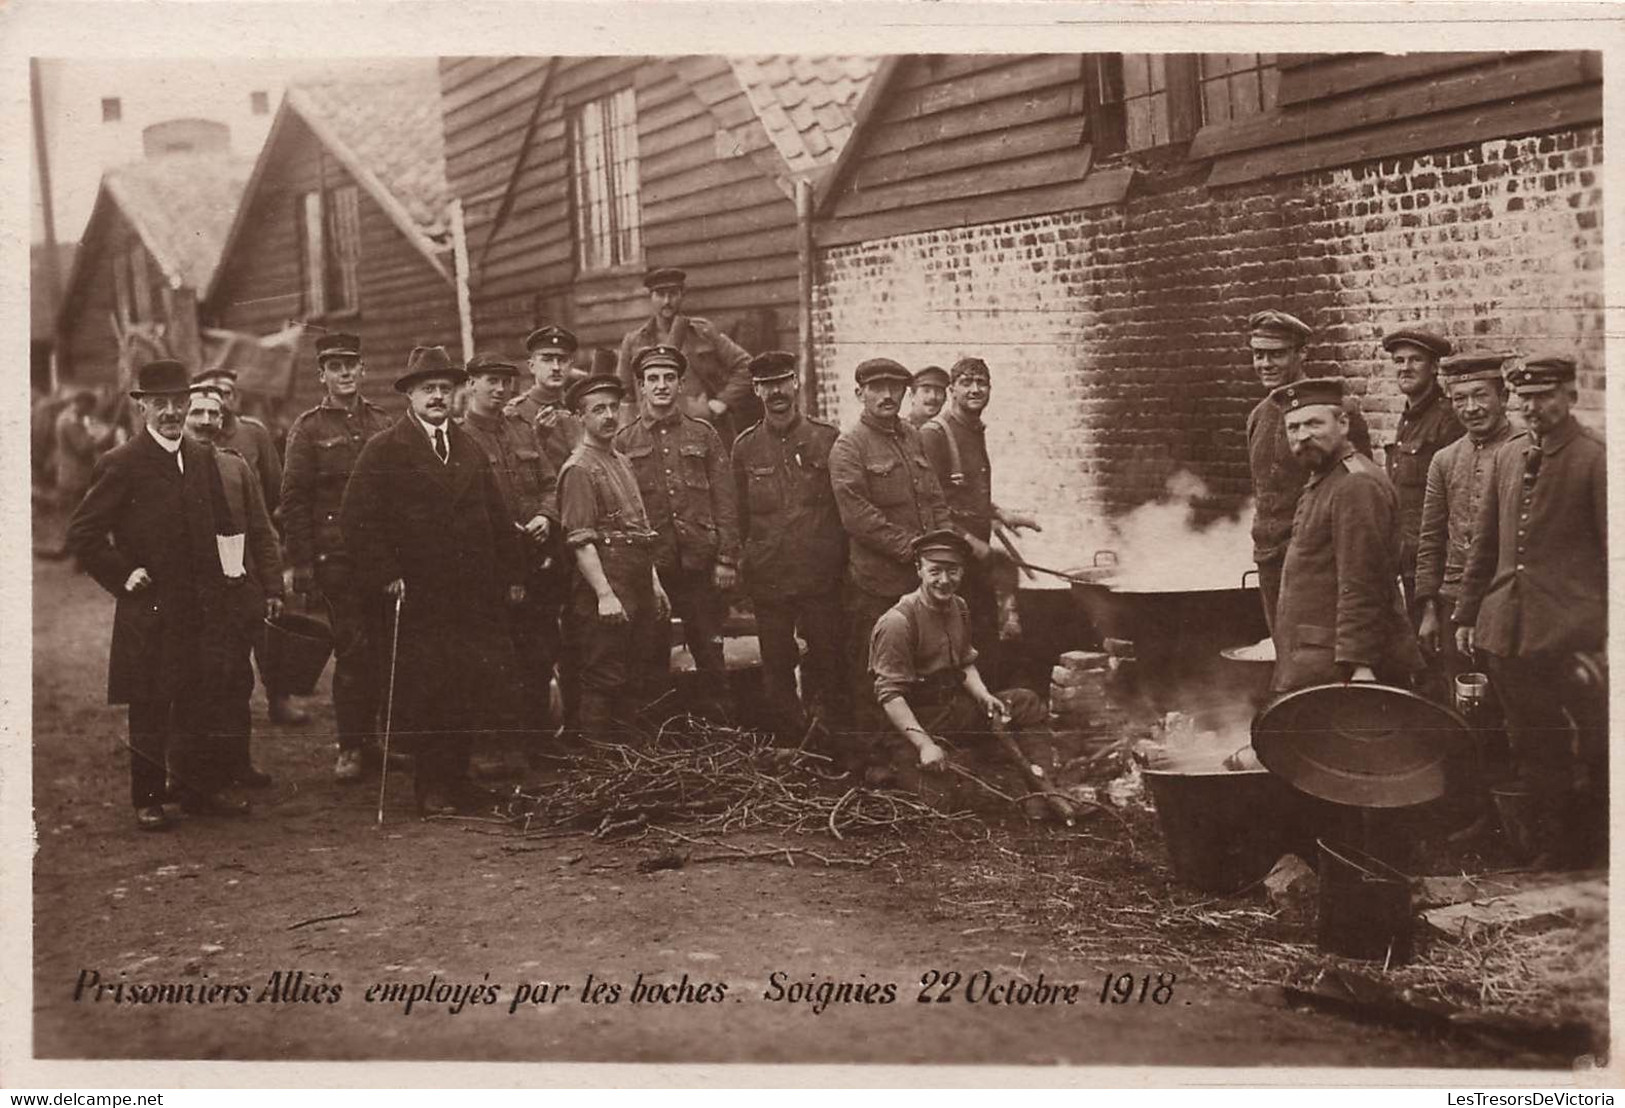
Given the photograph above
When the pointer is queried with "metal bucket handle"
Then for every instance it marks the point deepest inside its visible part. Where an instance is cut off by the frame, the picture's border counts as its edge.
(1254, 573)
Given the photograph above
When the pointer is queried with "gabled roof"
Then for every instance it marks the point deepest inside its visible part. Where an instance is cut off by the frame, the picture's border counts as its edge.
(381, 121)
(180, 205)
(806, 103)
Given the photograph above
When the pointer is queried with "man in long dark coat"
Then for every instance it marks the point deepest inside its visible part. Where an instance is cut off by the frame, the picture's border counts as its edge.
(147, 532)
(426, 524)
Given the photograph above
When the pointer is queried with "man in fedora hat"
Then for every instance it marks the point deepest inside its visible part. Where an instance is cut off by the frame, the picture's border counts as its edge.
(717, 384)
(1534, 595)
(1427, 423)
(549, 352)
(425, 520)
(250, 440)
(323, 446)
(154, 530)
(616, 605)
(1277, 341)
(529, 485)
(1341, 616)
(688, 491)
(261, 599)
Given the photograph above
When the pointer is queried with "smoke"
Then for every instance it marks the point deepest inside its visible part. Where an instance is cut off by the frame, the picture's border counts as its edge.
(1167, 544)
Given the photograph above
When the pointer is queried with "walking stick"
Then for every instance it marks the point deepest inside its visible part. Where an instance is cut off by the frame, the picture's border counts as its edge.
(389, 706)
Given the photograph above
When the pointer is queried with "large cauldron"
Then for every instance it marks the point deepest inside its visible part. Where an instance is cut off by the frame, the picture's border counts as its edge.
(1176, 630)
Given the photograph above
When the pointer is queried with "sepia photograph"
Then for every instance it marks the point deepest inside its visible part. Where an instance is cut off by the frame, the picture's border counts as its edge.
(1053, 559)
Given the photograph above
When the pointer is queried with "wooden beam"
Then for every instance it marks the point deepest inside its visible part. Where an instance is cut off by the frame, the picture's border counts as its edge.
(1340, 74)
(1046, 103)
(1519, 76)
(1070, 164)
(1015, 140)
(1033, 71)
(1545, 111)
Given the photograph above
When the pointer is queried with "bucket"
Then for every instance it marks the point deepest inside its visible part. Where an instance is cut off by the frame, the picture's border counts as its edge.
(1365, 907)
(1224, 829)
(296, 651)
(1519, 811)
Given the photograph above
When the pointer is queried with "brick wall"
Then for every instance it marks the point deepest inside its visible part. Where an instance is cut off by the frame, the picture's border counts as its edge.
(1116, 334)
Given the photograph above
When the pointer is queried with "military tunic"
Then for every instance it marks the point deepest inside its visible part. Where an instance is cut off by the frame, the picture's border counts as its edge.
(557, 428)
(1458, 477)
(1424, 427)
(1340, 601)
(251, 439)
(718, 367)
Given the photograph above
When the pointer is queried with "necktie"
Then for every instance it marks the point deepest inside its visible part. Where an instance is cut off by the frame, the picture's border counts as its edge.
(440, 445)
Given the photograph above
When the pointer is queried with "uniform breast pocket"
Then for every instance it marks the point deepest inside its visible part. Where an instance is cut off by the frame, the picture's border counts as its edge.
(888, 482)
(333, 457)
(692, 458)
(1409, 471)
(643, 466)
(762, 489)
(816, 487)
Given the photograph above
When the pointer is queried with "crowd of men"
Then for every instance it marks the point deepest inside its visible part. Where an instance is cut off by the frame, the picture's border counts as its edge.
(465, 562)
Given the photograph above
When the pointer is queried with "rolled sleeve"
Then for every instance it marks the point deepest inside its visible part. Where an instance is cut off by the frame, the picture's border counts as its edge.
(578, 507)
(891, 656)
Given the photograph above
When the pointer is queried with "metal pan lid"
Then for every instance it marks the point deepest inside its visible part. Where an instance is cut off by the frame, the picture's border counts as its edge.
(1367, 745)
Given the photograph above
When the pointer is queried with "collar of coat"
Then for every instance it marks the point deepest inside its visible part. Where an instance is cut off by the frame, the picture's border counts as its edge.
(670, 419)
(1565, 433)
(894, 428)
(1434, 395)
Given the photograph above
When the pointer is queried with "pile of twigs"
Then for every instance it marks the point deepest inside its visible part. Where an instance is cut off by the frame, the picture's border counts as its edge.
(718, 778)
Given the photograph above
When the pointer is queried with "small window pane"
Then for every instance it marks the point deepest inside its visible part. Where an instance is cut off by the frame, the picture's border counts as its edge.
(112, 109)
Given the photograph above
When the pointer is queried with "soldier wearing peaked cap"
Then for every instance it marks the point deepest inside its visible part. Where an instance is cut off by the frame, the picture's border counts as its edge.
(427, 524)
(616, 601)
(529, 486)
(888, 496)
(794, 549)
(687, 487)
(323, 446)
(1534, 597)
(717, 384)
(1427, 424)
(550, 351)
(927, 392)
(1341, 616)
(1277, 341)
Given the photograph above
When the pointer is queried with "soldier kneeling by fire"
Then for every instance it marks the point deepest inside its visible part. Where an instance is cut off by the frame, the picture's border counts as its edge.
(924, 666)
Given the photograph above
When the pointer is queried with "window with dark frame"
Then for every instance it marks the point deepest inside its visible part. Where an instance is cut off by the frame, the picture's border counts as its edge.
(330, 262)
(604, 175)
(259, 103)
(1147, 101)
(112, 109)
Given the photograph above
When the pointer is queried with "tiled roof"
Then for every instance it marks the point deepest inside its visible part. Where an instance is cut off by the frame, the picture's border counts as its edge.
(806, 102)
(182, 206)
(388, 116)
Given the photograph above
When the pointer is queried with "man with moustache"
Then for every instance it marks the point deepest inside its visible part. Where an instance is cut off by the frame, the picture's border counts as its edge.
(616, 601)
(259, 596)
(1458, 476)
(1341, 616)
(1426, 424)
(794, 548)
(1277, 341)
(887, 496)
(1534, 595)
(251, 440)
(955, 441)
(529, 486)
(688, 491)
(927, 391)
(549, 352)
(717, 384)
(431, 537)
(154, 530)
(323, 446)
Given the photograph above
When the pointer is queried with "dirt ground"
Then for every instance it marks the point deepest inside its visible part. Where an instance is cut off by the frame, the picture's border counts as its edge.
(223, 902)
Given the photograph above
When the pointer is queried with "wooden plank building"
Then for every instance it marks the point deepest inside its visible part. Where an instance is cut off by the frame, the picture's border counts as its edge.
(154, 237)
(1098, 227)
(344, 226)
(578, 174)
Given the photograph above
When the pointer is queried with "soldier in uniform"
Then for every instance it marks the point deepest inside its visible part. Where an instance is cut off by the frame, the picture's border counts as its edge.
(529, 486)
(1427, 423)
(549, 352)
(251, 440)
(717, 385)
(688, 491)
(257, 597)
(888, 496)
(922, 663)
(927, 392)
(323, 446)
(955, 441)
(794, 547)
(616, 601)
(1534, 594)
(1341, 616)
(432, 538)
(1277, 342)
